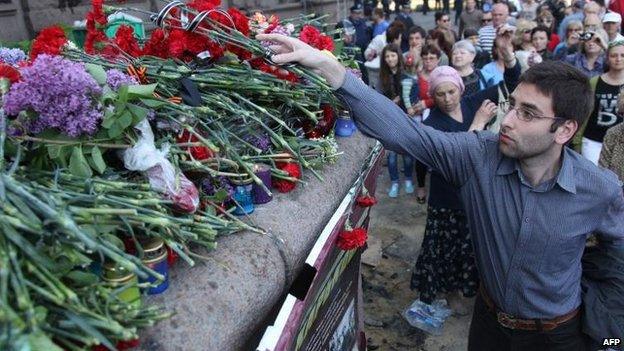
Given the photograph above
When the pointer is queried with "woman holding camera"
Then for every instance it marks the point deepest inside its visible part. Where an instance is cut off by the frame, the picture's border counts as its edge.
(590, 58)
(589, 138)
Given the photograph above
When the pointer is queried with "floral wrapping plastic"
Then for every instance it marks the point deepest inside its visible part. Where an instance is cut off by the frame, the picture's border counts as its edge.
(144, 157)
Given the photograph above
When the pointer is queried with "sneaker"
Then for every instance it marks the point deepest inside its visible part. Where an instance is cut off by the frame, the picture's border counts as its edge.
(394, 190)
(409, 187)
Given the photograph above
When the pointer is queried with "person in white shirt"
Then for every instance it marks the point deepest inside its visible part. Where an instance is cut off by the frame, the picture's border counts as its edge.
(394, 34)
(611, 23)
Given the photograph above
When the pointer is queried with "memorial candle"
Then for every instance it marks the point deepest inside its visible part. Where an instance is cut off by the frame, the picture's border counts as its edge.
(260, 196)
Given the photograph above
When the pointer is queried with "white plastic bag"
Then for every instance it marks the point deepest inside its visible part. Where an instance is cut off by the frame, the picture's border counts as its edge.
(144, 157)
(429, 318)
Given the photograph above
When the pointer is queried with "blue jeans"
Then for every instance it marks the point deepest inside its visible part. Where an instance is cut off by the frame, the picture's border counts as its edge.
(393, 166)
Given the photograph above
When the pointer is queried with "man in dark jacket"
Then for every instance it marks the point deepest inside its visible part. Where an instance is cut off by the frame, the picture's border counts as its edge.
(357, 35)
(363, 34)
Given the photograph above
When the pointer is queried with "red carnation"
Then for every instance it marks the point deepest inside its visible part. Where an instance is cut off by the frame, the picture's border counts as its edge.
(127, 344)
(125, 40)
(366, 201)
(325, 43)
(49, 41)
(284, 185)
(9, 72)
(309, 34)
(198, 152)
(157, 44)
(352, 239)
(97, 12)
(185, 45)
(241, 22)
(96, 21)
(204, 5)
(314, 38)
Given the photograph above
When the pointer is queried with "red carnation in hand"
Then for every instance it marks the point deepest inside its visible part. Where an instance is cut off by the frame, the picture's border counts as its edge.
(366, 201)
(284, 185)
(352, 239)
(9, 72)
(325, 43)
(314, 38)
(49, 41)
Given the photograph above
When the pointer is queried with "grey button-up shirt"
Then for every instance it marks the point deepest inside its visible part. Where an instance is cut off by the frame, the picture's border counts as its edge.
(528, 240)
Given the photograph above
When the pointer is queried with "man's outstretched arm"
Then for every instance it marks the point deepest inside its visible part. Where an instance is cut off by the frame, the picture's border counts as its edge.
(451, 154)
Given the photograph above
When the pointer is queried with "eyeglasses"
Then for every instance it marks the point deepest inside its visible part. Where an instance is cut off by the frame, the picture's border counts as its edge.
(525, 115)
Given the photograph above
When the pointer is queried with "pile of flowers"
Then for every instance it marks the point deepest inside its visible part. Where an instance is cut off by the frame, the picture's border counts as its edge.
(125, 140)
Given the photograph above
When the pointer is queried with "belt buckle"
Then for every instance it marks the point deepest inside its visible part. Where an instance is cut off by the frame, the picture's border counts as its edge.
(505, 320)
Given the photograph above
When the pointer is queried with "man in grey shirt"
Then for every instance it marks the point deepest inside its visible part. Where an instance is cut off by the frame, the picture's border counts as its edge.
(531, 202)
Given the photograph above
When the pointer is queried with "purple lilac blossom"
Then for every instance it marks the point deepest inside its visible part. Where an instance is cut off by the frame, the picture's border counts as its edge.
(262, 141)
(12, 56)
(211, 185)
(61, 94)
(116, 78)
(279, 29)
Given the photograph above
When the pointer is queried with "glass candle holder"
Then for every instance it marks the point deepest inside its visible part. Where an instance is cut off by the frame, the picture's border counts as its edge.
(243, 196)
(155, 257)
(344, 126)
(122, 283)
(260, 196)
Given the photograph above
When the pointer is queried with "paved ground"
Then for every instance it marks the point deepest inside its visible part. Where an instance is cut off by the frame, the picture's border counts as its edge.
(396, 232)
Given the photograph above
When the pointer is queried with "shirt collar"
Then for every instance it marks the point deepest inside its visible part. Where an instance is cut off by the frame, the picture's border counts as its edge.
(565, 177)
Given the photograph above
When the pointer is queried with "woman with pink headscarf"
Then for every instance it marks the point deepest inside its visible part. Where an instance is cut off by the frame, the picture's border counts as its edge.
(446, 260)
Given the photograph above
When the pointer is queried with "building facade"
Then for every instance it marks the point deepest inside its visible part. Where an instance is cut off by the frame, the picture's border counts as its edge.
(23, 19)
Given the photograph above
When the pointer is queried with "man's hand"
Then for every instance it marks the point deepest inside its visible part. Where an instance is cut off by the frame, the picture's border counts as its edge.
(371, 55)
(288, 49)
(504, 44)
(483, 115)
(419, 107)
(397, 100)
(411, 111)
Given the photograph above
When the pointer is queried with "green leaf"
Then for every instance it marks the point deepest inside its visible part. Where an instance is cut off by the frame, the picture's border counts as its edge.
(97, 161)
(141, 91)
(64, 154)
(152, 103)
(220, 196)
(82, 278)
(125, 120)
(139, 113)
(54, 151)
(38, 340)
(108, 121)
(97, 72)
(115, 130)
(123, 95)
(113, 239)
(78, 164)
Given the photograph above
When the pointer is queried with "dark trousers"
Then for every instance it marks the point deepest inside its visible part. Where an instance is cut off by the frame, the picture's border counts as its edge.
(459, 5)
(486, 334)
(421, 173)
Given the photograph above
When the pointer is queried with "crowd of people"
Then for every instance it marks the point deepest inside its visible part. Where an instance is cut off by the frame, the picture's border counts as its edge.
(458, 78)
